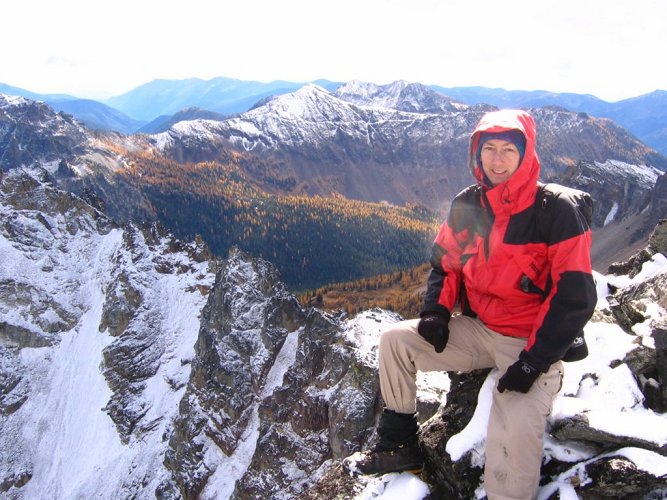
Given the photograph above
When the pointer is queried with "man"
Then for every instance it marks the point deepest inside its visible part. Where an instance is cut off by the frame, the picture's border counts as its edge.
(522, 302)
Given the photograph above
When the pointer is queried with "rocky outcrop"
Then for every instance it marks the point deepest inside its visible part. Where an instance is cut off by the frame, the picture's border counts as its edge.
(98, 322)
(275, 390)
(617, 188)
(30, 133)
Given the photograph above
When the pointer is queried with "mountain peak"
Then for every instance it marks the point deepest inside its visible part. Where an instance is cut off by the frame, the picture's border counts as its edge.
(308, 101)
(399, 95)
(12, 100)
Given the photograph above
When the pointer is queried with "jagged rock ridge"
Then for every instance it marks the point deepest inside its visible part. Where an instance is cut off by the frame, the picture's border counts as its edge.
(400, 95)
(129, 367)
(97, 331)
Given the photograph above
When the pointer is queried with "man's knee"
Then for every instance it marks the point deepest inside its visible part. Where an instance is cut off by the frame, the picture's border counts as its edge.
(397, 334)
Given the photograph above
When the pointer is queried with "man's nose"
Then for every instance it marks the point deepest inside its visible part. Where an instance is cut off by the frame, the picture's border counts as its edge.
(496, 157)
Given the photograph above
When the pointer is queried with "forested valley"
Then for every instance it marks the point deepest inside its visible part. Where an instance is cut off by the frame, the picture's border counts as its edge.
(313, 241)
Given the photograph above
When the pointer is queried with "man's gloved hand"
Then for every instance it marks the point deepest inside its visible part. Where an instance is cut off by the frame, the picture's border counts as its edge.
(435, 330)
(518, 377)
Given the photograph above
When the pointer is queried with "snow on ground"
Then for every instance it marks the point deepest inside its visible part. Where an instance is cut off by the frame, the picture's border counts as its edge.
(66, 415)
(611, 214)
(64, 422)
(403, 486)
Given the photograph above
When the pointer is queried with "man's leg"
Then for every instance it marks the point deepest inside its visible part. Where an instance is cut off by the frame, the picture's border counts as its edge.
(515, 434)
(402, 353)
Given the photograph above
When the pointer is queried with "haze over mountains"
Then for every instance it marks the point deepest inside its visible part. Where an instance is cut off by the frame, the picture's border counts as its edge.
(645, 116)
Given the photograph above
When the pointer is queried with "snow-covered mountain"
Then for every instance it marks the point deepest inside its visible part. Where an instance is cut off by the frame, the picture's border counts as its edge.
(643, 115)
(400, 95)
(32, 133)
(134, 365)
(369, 148)
(97, 323)
(359, 143)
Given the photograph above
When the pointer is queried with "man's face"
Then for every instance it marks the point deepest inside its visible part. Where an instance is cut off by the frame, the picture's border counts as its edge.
(500, 159)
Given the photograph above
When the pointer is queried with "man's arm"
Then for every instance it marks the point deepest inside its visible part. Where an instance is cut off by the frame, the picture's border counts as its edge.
(572, 295)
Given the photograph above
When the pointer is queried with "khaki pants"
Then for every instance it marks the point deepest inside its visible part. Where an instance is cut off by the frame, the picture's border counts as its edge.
(514, 442)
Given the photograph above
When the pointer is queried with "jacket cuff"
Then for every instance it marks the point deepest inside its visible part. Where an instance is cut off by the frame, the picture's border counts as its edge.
(437, 310)
(534, 361)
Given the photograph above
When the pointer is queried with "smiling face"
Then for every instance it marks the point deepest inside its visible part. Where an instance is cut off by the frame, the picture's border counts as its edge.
(500, 159)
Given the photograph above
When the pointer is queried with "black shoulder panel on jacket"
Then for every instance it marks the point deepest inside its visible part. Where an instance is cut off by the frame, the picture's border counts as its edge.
(558, 214)
(563, 218)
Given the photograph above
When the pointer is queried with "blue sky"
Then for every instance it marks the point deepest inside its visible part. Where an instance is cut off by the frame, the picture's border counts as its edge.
(96, 48)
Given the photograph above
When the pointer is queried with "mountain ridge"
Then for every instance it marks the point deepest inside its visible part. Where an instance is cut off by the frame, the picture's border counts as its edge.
(328, 144)
(228, 96)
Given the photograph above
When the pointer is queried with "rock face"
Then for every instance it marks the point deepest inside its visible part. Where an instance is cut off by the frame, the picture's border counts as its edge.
(628, 189)
(275, 392)
(98, 325)
(31, 132)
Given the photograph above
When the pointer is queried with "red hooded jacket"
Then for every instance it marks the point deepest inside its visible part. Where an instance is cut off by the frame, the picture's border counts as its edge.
(490, 259)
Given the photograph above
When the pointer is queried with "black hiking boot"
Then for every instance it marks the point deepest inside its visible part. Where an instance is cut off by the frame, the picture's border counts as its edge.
(396, 451)
(407, 458)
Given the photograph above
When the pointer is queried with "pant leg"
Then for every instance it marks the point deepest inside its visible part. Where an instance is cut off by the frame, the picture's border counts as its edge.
(403, 352)
(515, 433)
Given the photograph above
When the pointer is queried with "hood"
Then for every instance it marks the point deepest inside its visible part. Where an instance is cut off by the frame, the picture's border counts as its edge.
(520, 189)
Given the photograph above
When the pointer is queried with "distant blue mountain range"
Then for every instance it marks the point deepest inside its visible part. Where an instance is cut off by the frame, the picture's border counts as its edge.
(644, 116)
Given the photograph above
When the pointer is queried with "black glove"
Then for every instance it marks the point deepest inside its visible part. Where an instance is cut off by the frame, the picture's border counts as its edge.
(518, 377)
(435, 330)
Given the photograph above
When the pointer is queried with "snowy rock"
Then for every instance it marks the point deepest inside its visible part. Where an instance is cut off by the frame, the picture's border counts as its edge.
(619, 477)
(618, 188)
(457, 477)
(275, 391)
(30, 132)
